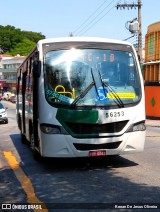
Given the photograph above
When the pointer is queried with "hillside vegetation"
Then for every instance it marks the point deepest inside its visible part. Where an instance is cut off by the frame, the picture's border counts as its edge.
(14, 41)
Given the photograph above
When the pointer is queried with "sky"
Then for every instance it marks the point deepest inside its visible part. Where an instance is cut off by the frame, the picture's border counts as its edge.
(93, 18)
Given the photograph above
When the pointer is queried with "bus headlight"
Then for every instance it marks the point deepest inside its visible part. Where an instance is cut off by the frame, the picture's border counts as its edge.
(53, 129)
(50, 129)
(140, 126)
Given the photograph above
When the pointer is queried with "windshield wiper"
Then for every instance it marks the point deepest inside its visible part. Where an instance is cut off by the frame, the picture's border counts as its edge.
(83, 93)
(118, 101)
(93, 83)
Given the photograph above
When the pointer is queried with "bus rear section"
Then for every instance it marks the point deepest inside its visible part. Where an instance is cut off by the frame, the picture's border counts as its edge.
(86, 99)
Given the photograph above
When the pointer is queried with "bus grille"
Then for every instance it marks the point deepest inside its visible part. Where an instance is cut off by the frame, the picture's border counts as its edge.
(85, 128)
(85, 147)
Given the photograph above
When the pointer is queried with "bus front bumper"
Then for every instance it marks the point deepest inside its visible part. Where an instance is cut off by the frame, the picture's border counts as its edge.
(60, 146)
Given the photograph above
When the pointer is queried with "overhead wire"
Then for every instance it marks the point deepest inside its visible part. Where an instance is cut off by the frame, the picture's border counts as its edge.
(89, 17)
(84, 27)
(94, 21)
(89, 25)
(98, 19)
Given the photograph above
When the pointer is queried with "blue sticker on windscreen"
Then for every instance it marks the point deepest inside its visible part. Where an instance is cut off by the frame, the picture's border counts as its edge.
(102, 95)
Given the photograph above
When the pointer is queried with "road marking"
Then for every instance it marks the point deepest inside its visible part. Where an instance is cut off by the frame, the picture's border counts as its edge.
(24, 181)
(153, 136)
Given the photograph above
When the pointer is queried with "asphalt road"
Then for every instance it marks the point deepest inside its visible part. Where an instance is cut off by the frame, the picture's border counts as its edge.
(96, 185)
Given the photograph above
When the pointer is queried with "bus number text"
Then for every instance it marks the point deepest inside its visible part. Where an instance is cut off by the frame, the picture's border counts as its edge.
(115, 114)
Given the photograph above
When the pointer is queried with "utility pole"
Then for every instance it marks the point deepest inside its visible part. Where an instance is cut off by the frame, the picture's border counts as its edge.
(140, 30)
(131, 6)
(71, 34)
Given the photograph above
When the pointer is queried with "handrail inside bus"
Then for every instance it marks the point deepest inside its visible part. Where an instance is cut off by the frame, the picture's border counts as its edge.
(61, 89)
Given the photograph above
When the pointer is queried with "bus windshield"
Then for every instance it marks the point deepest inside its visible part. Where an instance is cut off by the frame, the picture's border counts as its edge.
(91, 77)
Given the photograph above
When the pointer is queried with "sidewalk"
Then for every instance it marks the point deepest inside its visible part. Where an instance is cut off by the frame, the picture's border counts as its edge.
(152, 122)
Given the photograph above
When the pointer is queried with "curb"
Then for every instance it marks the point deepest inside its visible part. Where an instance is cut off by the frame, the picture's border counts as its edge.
(153, 123)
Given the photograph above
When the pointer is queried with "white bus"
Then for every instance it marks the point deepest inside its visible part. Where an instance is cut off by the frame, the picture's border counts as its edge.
(81, 97)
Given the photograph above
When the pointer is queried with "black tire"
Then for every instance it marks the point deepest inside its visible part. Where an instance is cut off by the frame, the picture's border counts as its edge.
(35, 152)
(23, 139)
(6, 121)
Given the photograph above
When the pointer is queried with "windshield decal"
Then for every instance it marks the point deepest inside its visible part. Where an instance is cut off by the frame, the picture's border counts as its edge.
(59, 97)
(122, 95)
(102, 94)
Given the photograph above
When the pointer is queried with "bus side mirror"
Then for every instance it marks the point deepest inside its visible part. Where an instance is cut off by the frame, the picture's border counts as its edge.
(36, 68)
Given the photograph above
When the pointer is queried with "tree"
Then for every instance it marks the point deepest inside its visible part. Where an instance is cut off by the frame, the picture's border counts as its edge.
(33, 36)
(9, 36)
(14, 41)
(22, 48)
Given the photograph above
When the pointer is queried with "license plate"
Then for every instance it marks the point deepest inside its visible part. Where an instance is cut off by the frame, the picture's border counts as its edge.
(97, 153)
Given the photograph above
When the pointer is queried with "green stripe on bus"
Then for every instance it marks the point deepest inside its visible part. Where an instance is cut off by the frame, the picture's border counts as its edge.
(78, 116)
(65, 116)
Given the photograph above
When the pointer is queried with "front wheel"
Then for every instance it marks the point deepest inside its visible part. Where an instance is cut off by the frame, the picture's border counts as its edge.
(23, 139)
(36, 154)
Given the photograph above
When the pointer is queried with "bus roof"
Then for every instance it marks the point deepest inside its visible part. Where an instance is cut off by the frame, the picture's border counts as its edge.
(82, 39)
(76, 39)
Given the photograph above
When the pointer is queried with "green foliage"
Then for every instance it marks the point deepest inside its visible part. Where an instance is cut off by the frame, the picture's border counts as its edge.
(22, 48)
(14, 41)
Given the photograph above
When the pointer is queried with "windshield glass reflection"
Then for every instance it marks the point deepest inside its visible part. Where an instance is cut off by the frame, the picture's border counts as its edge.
(91, 77)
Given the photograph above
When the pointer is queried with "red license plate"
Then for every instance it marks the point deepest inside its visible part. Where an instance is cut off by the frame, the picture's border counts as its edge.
(97, 153)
